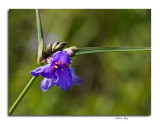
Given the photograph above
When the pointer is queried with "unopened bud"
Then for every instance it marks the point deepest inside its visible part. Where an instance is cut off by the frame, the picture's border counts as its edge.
(69, 51)
(54, 45)
(49, 49)
(49, 59)
(44, 55)
(60, 46)
(73, 47)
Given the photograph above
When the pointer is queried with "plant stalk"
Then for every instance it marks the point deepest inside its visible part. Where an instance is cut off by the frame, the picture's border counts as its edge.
(16, 103)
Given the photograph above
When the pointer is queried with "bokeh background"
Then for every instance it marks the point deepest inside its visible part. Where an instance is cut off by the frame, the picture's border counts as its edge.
(113, 83)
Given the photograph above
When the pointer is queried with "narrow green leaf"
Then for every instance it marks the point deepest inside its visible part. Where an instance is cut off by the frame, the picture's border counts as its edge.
(87, 50)
(40, 37)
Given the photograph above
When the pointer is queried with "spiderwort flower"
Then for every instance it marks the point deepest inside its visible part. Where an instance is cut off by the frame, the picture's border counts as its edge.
(57, 72)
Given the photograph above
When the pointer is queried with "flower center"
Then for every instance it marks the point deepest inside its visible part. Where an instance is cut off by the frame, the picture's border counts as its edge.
(58, 65)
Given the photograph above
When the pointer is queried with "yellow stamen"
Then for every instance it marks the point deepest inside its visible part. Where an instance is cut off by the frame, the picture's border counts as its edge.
(56, 66)
(58, 62)
(62, 69)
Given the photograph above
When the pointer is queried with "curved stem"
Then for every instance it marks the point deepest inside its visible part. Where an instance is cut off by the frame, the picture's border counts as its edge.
(21, 95)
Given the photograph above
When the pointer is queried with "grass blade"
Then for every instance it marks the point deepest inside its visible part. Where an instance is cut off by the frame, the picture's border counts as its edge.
(40, 37)
(88, 50)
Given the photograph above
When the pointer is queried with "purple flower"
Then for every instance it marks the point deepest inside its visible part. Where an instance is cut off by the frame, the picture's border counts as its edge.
(57, 72)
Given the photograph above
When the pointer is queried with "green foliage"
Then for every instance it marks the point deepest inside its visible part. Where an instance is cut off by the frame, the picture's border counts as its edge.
(40, 38)
(86, 50)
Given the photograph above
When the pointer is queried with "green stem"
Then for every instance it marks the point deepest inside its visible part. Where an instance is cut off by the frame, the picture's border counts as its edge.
(21, 95)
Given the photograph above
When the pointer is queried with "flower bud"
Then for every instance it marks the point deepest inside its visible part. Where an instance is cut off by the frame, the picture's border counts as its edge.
(69, 51)
(73, 47)
(49, 59)
(44, 54)
(60, 46)
(49, 49)
(54, 45)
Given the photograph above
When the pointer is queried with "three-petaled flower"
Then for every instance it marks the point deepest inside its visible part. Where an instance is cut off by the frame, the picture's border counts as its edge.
(57, 72)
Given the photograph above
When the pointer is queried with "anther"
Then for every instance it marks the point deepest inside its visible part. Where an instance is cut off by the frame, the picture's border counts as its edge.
(56, 66)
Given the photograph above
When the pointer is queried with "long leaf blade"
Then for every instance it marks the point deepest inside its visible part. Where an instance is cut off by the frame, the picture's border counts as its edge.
(40, 37)
(88, 50)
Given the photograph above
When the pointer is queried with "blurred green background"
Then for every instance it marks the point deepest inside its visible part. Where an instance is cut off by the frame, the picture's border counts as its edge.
(113, 83)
